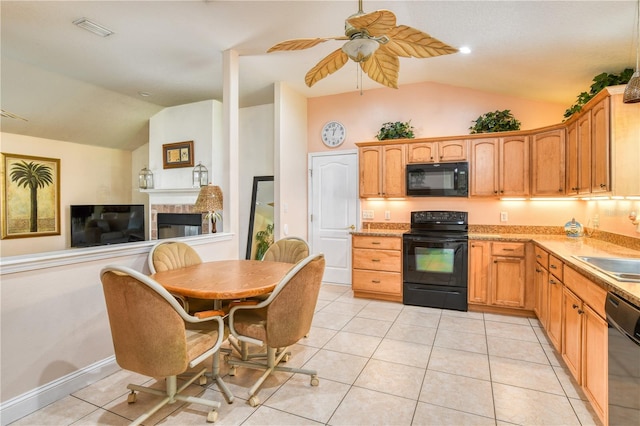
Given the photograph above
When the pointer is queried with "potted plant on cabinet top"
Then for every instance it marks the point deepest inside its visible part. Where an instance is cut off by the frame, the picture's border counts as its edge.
(397, 130)
(497, 121)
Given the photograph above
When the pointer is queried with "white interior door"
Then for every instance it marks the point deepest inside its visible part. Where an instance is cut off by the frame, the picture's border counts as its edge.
(334, 205)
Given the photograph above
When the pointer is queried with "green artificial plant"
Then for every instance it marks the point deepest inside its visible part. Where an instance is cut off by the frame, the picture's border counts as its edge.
(600, 81)
(265, 239)
(497, 121)
(397, 130)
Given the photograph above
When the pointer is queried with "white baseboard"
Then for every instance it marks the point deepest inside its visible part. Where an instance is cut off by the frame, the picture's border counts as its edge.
(18, 407)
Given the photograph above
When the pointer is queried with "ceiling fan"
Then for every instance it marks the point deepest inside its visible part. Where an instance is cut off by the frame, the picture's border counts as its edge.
(375, 42)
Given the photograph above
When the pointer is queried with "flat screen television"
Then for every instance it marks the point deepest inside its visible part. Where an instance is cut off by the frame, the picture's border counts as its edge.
(103, 224)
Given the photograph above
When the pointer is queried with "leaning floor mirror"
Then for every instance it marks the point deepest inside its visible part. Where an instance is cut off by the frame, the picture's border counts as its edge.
(261, 217)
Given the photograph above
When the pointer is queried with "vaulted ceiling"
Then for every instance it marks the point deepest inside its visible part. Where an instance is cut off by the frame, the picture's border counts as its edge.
(73, 85)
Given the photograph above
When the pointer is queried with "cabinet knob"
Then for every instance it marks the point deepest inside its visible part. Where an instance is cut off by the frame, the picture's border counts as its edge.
(375, 281)
(553, 267)
(552, 281)
(538, 270)
(560, 190)
(602, 185)
(580, 312)
(574, 306)
(495, 192)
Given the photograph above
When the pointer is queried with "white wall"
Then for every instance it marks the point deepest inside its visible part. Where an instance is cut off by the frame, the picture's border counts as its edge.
(291, 163)
(256, 159)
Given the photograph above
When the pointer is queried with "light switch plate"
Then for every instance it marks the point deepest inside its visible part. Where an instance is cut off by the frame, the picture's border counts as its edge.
(367, 214)
(504, 216)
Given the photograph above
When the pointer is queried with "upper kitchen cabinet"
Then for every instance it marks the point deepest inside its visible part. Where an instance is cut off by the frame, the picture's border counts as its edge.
(382, 171)
(500, 166)
(548, 163)
(436, 151)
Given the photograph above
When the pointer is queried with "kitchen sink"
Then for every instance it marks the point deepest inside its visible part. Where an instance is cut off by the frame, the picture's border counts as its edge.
(621, 269)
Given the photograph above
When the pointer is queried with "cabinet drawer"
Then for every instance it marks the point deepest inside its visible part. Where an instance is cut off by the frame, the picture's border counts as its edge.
(379, 282)
(378, 260)
(384, 243)
(555, 266)
(507, 249)
(590, 293)
(542, 257)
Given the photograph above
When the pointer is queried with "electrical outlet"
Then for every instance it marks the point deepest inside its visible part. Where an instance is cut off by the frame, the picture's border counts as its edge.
(504, 216)
(387, 215)
(367, 214)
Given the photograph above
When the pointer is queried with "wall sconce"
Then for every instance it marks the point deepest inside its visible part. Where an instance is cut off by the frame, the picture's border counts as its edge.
(200, 176)
(145, 179)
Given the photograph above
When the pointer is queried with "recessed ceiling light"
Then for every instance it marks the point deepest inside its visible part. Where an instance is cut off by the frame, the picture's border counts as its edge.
(465, 49)
(144, 94)
(88, 25)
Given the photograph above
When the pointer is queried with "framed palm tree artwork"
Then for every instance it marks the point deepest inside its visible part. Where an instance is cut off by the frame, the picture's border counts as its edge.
(30, 196)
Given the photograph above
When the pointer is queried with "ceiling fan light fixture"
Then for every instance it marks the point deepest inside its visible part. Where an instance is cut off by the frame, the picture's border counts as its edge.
(91, 26)
(632, 91)
(360, 49)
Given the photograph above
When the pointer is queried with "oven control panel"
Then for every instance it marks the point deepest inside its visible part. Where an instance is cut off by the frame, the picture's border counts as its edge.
(439, 216)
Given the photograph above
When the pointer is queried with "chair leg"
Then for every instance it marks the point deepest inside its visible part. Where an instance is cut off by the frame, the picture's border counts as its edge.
(172, 394)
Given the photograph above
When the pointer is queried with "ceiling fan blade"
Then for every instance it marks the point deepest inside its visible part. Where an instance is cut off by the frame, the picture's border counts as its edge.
(376, 23)
(302, 43)
(383, 68)
(330, 64)
(407, 41)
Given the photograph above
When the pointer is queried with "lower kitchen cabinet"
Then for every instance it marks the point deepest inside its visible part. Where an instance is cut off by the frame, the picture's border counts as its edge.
(554, 309)
(497, 274)
(584, 338)
(377, 267)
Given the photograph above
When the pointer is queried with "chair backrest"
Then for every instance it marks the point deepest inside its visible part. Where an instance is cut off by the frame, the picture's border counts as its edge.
(292, 303)
(167, 255)
(148, 332)
(288, 250)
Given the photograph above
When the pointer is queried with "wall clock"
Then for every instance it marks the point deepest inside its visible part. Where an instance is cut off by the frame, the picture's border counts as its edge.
(333, 134)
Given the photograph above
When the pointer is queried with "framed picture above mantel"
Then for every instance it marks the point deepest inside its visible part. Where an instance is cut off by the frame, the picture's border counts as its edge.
(178, 154)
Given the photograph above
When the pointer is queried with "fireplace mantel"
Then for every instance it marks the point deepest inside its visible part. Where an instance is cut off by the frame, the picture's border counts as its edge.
(171, 191)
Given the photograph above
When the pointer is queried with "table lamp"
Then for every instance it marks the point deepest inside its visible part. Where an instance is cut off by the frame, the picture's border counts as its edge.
(210, 202)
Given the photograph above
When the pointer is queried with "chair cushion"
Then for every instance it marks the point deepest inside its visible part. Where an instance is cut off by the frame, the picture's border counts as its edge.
(251, 323)
(289, 251)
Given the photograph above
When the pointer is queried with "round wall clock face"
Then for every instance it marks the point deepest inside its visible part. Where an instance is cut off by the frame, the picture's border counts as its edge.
(333, 134)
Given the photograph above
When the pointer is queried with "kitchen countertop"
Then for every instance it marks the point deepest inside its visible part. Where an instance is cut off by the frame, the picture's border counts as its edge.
(563, 248)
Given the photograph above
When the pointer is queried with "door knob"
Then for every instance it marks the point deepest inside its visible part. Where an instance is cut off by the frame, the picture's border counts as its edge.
(352, 227)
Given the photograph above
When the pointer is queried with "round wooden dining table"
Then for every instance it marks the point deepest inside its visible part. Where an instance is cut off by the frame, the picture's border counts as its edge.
(224, 279)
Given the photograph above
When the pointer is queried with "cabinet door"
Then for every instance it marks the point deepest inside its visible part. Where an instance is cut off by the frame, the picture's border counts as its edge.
(422, 152)
(542, 294)
(547, 163)
(600, 149)
(572, 159)
(572, 333)
(554, 323)
(370, 172)
(479, 271)
(484, 167)
(584, 153)
(452, 151)
(507, 281)
(595, 361)
(514, 166)
(393, 171)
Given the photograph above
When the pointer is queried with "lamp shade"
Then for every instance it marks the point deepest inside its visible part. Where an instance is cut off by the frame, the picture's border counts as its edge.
(209, 199)
(360, 49)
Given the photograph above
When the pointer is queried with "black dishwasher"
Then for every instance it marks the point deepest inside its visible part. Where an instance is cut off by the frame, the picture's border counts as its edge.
(624, 361)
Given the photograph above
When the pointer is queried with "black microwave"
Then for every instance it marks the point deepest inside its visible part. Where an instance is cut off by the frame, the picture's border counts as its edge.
(438, 180)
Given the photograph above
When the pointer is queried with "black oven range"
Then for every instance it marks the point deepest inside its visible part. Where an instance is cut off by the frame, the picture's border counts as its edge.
(435, 253)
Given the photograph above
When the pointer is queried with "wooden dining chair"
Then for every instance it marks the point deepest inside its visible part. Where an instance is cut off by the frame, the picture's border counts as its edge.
(278, 322)
(153, 335)
(171, 254)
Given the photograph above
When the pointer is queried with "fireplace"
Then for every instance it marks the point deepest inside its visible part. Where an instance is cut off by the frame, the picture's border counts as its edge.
(173, 225)
(176, 220)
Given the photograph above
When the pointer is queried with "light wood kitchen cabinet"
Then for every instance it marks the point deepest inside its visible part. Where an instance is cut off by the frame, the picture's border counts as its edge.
(584, 337)
(554, 310)
(377, 267)
(497, 275)
(600, 147)
(437, 151)
(479, 271)
(542, 286)
(508, 271)
(500, 166)
(382, 171)
(548, 163)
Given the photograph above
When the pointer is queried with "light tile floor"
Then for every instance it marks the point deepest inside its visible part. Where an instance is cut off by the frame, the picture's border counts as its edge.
(378, 363)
